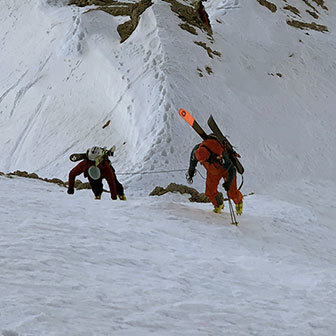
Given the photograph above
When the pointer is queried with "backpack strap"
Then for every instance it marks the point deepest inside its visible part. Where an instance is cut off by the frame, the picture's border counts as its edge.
(212, 157)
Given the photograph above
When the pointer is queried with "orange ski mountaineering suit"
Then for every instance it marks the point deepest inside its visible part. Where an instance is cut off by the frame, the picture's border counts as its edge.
(206, 153)
(106, 172)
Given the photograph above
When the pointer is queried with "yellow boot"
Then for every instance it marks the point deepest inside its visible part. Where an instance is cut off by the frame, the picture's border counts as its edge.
(97, 197)
(239, 208)
(218, 209)
(122, 197)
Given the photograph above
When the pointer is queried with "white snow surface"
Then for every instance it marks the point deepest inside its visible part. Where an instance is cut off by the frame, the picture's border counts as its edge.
(162, 265)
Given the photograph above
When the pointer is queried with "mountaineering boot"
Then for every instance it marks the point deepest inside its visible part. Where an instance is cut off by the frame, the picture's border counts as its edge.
(122, 197)
(97, 197)
(239, 208)
(218, 209)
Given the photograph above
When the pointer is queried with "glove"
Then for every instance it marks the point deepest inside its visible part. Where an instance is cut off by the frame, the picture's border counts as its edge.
(189, 178)
(71, 191)
(226, 186)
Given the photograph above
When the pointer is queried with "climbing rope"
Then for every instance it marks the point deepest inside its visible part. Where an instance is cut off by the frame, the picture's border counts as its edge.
(152, 172)
(172, 171)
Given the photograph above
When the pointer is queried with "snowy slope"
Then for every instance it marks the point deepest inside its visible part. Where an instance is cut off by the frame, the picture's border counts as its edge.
(161, 266)
(164, 266)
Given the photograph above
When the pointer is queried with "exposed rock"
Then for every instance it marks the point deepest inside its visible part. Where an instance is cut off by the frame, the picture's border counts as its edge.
(36, 177)
(189, 15)
(271, 6)
(209, 70)
(200, 73)
(300, 24)
(107, 123)
(115, 8)
(85, 185)
(19, 173)
(310, 5)
(78, 183)
(313, 14)
(208, 49)
(292, 9)
(305, 25)
(182, 189)
(188, 28)
(55, 181)
(321, 4)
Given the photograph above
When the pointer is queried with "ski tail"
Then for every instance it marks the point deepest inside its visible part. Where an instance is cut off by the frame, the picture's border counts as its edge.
(193, 123)
(111, 151)
(77, 157)
(225, 142)
(187, 116)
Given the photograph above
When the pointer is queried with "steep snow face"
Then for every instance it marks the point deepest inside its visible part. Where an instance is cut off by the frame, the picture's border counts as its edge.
(71, 77)
(270, 86)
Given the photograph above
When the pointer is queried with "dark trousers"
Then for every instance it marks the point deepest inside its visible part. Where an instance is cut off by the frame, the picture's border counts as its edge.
(120, 188)
(97, 186)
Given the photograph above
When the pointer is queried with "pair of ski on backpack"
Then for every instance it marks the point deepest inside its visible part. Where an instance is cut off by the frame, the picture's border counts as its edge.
(105, 154)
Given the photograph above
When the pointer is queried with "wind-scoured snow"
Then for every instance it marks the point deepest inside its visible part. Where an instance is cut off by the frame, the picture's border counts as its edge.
(162, 265)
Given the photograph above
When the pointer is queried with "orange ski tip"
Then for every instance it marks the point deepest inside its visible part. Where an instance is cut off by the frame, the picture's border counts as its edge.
(186, 116)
